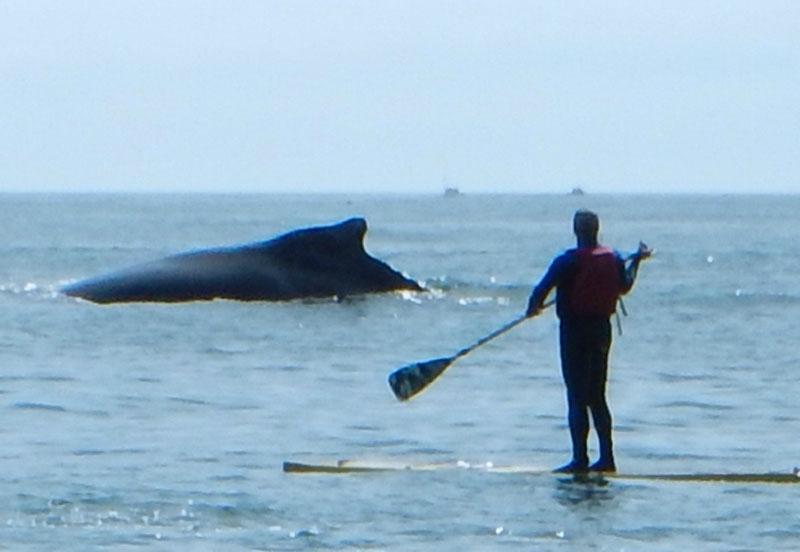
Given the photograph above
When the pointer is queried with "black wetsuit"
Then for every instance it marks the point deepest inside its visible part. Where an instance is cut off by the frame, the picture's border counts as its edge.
(584, 344)
(585, 341)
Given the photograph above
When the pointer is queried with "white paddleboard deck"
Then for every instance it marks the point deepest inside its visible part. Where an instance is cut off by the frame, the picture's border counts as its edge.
(344, 467)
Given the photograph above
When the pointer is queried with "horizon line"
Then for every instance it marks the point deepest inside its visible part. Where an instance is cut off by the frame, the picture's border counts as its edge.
(396, 193)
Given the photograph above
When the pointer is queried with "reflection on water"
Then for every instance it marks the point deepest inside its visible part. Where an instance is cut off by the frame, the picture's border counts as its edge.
(583, 491)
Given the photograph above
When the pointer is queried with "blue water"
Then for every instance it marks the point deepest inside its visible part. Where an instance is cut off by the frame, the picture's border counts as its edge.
(164, 427)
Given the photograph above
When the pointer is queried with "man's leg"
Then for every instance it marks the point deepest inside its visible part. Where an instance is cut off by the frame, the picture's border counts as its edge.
(601, 414)
(574, 364)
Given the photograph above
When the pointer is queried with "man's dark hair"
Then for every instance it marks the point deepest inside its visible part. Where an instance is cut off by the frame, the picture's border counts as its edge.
(586, 223)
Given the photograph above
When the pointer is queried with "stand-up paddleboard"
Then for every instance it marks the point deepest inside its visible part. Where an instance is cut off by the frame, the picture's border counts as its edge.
(344, 467)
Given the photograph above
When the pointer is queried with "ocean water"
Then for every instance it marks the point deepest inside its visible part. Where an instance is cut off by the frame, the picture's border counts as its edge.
(164, 427)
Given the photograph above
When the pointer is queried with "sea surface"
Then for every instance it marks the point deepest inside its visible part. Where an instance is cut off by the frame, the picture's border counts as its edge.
(164, 427)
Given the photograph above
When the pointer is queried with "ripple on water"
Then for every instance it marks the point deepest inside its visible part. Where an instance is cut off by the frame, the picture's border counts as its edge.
(697, 405)
(39, 406)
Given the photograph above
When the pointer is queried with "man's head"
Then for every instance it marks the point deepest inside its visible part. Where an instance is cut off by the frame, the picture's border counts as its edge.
(586, 225)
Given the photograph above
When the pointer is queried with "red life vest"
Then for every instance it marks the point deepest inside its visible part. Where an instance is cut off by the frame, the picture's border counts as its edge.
(596, 284)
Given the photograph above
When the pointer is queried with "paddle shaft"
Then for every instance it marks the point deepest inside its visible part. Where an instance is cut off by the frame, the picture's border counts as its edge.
(498, 332)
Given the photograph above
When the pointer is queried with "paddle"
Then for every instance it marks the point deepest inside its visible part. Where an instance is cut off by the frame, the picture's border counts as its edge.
(410, 380)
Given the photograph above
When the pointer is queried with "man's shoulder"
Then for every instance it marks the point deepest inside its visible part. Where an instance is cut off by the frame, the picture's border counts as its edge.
(565, 258)
(565, 254)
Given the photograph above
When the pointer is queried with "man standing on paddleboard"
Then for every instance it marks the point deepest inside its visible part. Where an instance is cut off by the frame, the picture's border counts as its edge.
(589, 280)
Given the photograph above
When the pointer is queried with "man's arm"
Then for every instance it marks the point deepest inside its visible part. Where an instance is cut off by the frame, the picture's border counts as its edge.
(630, 273)
(545, 285)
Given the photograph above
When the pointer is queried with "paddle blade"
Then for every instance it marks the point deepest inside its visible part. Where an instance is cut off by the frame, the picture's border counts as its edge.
(410, 380)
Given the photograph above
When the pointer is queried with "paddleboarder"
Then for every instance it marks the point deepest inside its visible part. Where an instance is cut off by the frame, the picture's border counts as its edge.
(589, 279)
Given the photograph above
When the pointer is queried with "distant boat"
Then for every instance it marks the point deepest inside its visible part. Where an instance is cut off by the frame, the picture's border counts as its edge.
(577, 192)
(451, 192)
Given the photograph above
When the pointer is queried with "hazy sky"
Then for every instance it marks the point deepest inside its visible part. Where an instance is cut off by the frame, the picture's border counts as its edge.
(400, 96)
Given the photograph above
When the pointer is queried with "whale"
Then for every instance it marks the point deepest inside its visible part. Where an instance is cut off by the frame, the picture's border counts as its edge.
(315, 262)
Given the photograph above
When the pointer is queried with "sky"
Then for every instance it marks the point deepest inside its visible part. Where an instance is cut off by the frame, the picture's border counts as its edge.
(496, 96)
